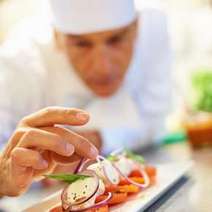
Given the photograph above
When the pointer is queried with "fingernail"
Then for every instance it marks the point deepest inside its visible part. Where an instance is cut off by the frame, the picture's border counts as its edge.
(94, 152)
(44, 164)
(82, 116)
(69, 149)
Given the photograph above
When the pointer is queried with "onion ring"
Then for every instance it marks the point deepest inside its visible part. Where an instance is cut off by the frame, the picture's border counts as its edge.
(79, 165)
(140, 185)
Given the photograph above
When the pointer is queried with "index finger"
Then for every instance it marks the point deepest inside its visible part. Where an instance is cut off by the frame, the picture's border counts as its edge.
(82, 146)
(56, 115)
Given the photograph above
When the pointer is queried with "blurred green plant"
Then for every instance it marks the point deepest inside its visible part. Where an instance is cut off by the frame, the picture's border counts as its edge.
(202, 90)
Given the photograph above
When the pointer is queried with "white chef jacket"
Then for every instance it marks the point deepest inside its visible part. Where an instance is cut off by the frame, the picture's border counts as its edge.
(33, 75)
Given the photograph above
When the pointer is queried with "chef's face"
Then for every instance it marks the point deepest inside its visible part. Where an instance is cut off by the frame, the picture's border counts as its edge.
(100, 59)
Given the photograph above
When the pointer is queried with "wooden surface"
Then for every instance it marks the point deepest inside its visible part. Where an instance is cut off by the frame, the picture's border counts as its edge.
(194, 196)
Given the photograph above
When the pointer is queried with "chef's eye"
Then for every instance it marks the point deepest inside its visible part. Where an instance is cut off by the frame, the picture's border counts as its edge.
(83, 44)
(115, 40)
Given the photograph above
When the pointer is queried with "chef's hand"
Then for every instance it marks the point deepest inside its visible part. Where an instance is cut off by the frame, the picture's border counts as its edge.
(38, 145)
(94, 137)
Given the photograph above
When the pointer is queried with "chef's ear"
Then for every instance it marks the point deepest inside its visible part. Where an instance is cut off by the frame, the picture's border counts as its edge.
(135, 27)
(58, 39)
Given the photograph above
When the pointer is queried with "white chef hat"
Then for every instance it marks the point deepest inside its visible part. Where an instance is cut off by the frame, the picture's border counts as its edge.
(85, 16)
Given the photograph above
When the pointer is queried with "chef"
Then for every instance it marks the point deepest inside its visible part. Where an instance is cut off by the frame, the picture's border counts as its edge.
(102, 56)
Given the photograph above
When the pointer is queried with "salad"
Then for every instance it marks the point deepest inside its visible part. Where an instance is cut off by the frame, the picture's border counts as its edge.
(98, 185)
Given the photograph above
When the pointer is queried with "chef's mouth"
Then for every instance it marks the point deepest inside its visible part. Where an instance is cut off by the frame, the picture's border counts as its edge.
(104, 91)
(107, 82)
(104, 87)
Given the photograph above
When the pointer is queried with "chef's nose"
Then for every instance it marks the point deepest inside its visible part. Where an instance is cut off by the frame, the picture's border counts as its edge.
(102, 60)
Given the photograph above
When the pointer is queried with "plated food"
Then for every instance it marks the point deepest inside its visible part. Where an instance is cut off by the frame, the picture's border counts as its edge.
(96, 186)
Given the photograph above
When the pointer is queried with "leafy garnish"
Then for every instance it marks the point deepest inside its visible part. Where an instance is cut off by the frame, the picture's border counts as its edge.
(133, 156)
(112, 157)
(67, 178)
(202, 90)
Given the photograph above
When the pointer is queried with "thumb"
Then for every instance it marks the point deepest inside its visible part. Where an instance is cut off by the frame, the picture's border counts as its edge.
(20, 178)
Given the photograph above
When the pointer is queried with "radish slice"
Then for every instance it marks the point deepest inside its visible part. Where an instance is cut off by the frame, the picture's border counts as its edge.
(105, 171)
(95, 206)
(125, 165)
(103, 168)
(109, 170)
(80, 191)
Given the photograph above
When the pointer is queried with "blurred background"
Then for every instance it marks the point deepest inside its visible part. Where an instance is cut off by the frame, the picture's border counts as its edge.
(190, 31)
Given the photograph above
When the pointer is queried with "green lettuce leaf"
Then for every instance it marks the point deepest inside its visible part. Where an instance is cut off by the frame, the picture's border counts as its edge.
(67, 178)
(133, 156)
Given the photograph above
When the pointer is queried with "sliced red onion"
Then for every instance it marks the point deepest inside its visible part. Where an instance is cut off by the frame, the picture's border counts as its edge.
(140, 185)
(85, 164)
(66, 204)
(95, 206)
(79, 165)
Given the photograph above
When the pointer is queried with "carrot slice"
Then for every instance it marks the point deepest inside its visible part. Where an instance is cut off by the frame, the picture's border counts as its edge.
(111, 188)
(103, 209)
(137, 179)
(152, 180)
(90, 210)
(124, 181)
(117, 198)
(56, 209)
(135, 173)
(129, 189)
(151, 171)
(101, 198)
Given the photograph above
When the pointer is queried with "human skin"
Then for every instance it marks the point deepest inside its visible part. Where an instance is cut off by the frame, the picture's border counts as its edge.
(100, 59)
(37, 146)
